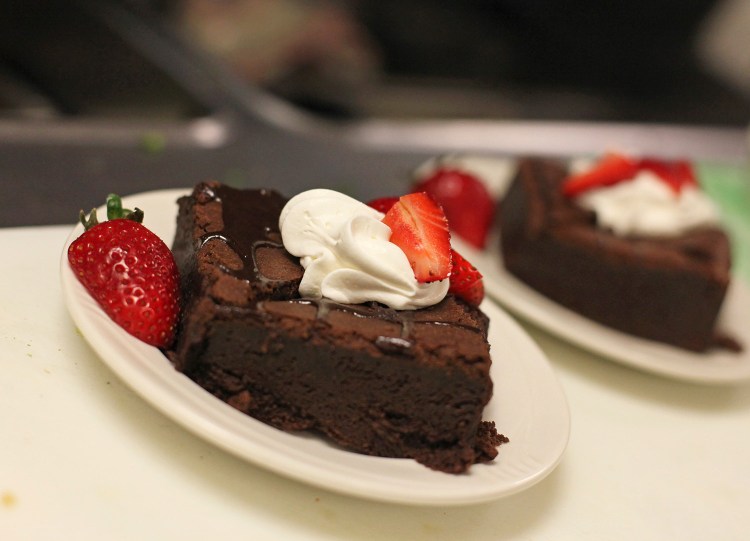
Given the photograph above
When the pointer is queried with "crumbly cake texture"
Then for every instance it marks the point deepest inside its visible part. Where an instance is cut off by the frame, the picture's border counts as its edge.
(406, 384)
(664, 289)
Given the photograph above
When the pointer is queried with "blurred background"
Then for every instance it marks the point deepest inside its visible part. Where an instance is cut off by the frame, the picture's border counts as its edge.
(157, 93)
(641, 60)
(677, 61)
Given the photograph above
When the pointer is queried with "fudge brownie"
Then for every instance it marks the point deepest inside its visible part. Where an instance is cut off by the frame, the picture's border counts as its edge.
(668, 289)
(378, 381)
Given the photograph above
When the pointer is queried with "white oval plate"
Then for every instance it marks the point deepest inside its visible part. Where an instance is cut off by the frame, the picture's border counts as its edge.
(712, 367)
(528, 406)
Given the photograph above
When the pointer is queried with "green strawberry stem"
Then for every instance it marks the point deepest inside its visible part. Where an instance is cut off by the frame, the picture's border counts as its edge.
(114, 212)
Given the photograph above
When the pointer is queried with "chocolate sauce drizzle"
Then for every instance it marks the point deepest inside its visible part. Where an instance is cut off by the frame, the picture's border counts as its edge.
(250, 220)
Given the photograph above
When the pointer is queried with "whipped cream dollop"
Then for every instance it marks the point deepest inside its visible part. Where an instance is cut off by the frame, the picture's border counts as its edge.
(647, 206)
(345, 250)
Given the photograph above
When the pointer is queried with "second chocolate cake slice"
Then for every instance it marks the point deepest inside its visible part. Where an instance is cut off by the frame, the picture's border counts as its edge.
(668, 289)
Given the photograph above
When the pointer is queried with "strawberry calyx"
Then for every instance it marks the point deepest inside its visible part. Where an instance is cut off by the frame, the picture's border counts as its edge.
(115, 211)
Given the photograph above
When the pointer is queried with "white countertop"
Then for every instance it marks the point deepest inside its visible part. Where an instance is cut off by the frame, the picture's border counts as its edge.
(83, 457)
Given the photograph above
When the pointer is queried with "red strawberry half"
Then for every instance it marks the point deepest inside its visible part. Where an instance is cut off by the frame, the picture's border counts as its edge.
(466, 202)
(419, 228)
(611, 169)
(614, 168)
(131, 273)
(676, 173)
(466, 281)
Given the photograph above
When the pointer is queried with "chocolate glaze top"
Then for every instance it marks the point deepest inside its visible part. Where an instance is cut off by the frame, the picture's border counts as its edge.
(249, 220)
(246, 222)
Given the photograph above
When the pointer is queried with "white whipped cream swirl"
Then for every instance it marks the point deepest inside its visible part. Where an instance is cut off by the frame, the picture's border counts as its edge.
(647, 206)
(345, 250)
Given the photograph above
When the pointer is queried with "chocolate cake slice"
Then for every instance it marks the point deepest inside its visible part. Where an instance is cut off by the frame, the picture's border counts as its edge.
(373, 380)
(664, 289)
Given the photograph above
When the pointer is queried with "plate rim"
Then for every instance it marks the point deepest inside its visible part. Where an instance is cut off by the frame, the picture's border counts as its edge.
(144, 380)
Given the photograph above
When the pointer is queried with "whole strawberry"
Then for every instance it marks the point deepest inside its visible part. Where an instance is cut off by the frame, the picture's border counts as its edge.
(467, 203)
(130, 272)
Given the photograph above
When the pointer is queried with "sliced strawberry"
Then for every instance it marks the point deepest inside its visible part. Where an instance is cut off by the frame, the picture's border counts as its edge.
(611, 169)
(419, 227)
(676, 174)
(383, 204)
(466, 281)
(466, 202)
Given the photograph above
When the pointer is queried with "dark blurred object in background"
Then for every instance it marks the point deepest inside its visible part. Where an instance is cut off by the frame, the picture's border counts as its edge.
(522, 59)
(58, 59)
(583, 60)
(639, 46)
